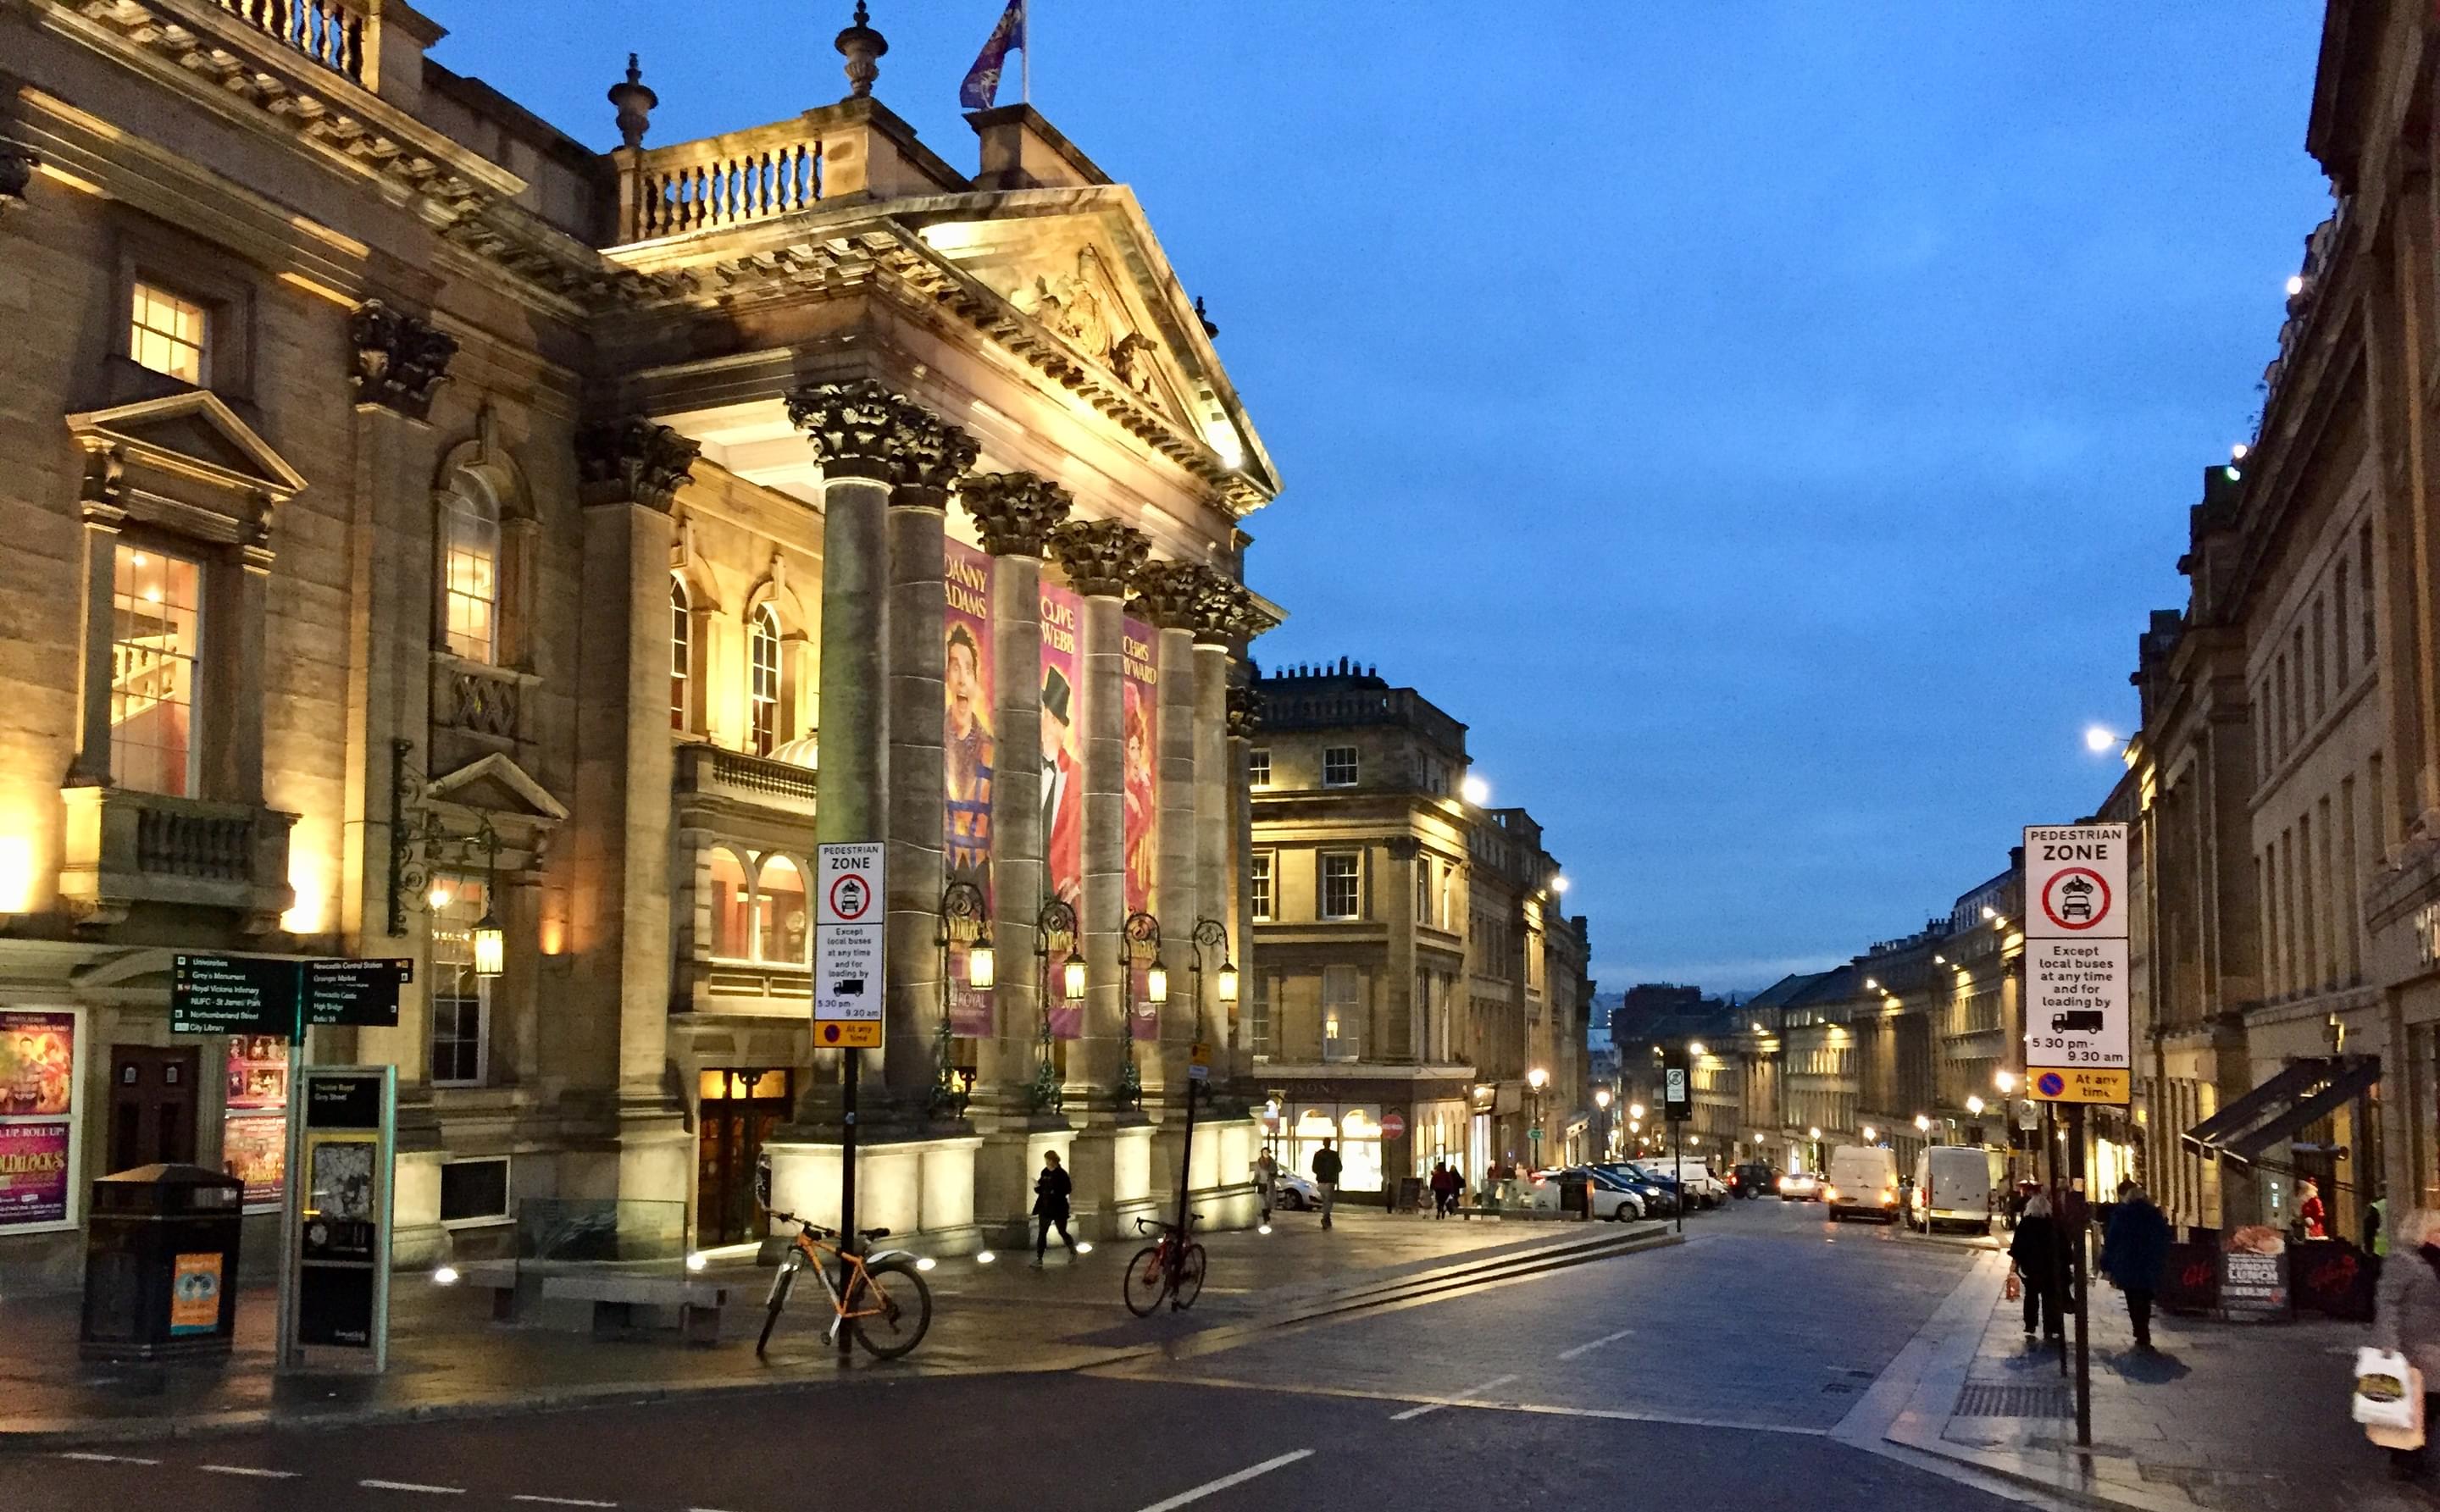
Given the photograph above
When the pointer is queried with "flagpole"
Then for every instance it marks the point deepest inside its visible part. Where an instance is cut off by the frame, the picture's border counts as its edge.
(1026, 68)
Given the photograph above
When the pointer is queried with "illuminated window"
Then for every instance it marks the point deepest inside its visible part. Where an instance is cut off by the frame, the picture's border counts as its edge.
(165, 335)
(763, 678)
(681, 650)
(1339, 766)
(1258, 768)
(1258, 880)
(469, 523)
(779, 933)
(1341, 1014)
(1258, 1018)
(731, 907)
(156, 620)
(462, 1000)
(1341, 885)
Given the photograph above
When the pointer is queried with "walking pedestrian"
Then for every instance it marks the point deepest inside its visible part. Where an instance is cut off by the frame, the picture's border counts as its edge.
(2310, 1215)
(2037, 1256)
(2408, 1320)
(1457, 1190)
(1325, 1175)
(1267, 1179)
(2377, 1235)
(1052, 1191)
(2134, 1254)
(1444, 1189)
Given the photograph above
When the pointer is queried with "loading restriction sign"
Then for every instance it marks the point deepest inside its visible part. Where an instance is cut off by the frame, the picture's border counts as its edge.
(2076, 964)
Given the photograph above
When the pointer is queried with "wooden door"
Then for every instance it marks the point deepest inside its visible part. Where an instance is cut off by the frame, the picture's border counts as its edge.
(152, 1105)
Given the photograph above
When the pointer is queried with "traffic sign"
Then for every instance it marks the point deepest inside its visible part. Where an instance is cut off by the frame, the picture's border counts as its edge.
(1675, 1100)
(2075, 881)
(849, 943)
(2076, 967)
(1198, 1062)
(1394, 1124)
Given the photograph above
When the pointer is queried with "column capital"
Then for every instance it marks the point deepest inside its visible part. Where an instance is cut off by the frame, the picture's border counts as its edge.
(1014, 512)
(1101, 557)
(400, 359)
(1224, 611)
(633, 461)
(1171, 593)
(1245, 711)
(861, 430)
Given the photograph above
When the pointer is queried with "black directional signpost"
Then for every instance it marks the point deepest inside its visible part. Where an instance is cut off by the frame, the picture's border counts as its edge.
(1678, 1105)
(283, 995)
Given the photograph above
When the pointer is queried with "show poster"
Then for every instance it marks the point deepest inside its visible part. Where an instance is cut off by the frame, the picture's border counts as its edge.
(1063, 780)
(968, 753)
(1139, 677)
(254, 1132)
(37, 1116)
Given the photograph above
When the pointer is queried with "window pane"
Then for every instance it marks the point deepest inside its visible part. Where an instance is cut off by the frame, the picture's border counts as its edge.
(165, 335)
(460, 999)
(681, 652)
(1338, 886)
(155, 619)
(1257, 769)
(763, 679)
(1339, 767)
(1258, 880)
(729, 907)
(780, 915)
(471, 574)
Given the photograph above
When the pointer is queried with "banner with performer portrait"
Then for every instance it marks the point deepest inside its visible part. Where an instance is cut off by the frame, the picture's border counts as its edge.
(1140, 681)
(1063, 779)
(969, 753)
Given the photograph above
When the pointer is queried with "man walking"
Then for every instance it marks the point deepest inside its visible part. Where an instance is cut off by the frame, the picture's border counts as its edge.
(1267, 1179)
(2037, 1255)
(1052, 1191)
(2134, 1253)
(1325, 1175)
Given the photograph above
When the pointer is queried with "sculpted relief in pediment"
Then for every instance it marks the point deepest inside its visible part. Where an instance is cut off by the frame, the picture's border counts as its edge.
(1084, 309)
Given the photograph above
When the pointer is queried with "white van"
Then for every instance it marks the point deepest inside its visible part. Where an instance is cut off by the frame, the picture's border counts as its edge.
(1952, 1185)
(1863, 1182)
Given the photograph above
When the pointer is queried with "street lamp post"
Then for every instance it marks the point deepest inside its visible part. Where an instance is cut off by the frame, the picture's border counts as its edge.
(964, 921)
(1535, 1078)
(1143, 943)
(1210, 934)
(1057, 920)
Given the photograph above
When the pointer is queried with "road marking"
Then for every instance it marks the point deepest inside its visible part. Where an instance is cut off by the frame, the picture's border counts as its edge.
(1615, 1415)
(106, 1459)
(1225, 1481)
(1588, 1348)
(561, 1500)
(411, 1486)
(248, 1469)
(1412, 1413)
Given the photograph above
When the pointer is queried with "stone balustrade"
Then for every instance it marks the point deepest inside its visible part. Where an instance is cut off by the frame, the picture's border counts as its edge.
(479, 698)
(725, 181)
(715, 771)
(330, 32)
(125, 847)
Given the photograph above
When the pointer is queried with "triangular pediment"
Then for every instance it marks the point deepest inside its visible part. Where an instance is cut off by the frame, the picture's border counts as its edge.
(497, 786)
(195, 434)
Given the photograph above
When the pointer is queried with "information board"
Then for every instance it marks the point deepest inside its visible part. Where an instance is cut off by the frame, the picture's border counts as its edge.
(335, 1281)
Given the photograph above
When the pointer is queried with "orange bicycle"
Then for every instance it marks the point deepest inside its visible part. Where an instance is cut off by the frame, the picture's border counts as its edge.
(1171, 1266)
(885, 1301)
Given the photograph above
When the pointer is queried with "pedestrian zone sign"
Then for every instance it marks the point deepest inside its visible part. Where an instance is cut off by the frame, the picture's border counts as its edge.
(848, 940)
(2076, 1042)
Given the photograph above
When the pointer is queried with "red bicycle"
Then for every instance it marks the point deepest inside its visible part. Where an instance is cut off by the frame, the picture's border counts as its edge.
(1171, 1265)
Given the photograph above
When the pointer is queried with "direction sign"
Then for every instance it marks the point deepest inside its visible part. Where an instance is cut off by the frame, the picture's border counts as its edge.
(848, 940)
(2076, 1047)
(232, 995)
(362, 994)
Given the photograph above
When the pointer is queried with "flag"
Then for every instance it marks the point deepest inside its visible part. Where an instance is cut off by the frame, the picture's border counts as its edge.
(982, 80)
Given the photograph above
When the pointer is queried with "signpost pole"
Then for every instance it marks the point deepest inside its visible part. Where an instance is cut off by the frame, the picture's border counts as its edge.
(1678, 1138)
(847, 1182)
(2057, 1191)
(2083, 1345)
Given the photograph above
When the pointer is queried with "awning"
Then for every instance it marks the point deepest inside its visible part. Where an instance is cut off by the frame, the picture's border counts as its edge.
(2302, 1094)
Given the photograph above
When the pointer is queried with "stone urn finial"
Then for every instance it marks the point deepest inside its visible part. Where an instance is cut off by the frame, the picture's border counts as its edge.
(862, 46)
(634, 101)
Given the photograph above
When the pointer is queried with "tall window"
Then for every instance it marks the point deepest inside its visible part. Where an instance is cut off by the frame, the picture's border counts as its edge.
(470, 567)
(763, 678)
(1341, 1039)
(1339, 766)
(779, 932)
(1258, 768)
(1258, 1018)
(156, 607)
(461, 1001)
(731, 907)
(2371, 594)
(2344, 667)
(165, 335)
(681, 650)
(1258, 879)
(1340, 884)
(1424, 889)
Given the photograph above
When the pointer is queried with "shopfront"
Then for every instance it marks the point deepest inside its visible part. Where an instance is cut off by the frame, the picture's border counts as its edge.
(1355, 1127)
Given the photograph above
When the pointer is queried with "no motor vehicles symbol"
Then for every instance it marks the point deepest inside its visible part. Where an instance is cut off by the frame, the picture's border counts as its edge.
(2076, 899)
(850, 895)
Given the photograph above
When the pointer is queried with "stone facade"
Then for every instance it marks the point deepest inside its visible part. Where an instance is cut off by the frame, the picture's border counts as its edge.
(424, 521)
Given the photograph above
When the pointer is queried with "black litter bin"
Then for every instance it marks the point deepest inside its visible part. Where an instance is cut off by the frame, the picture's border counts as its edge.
(160, 1264)
(1576, 1193)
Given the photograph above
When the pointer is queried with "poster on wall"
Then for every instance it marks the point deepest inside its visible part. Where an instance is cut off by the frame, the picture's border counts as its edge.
(1063, 776)
(1140, 679)
(38, 1086)
(968, 755)
(254, 1132)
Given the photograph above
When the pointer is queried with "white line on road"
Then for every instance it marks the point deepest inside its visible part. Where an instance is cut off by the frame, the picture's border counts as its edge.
(1412, 1413)
(561, 1500)
(106, 1459)
(248, 1469)
(1588, 1348)
(411, 1486)
(1227, 1481)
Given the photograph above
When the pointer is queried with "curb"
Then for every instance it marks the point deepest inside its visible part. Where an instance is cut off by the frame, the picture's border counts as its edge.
(1395, 1291)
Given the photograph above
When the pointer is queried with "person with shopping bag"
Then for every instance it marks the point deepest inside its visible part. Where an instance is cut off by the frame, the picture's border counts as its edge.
(2407, 1327)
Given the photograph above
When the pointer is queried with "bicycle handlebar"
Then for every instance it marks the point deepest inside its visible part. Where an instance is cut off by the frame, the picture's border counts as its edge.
(1145, 1225)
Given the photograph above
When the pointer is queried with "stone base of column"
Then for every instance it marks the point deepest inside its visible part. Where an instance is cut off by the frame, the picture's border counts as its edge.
(921, 1190)
(1005, 1169)
(1111, 1164)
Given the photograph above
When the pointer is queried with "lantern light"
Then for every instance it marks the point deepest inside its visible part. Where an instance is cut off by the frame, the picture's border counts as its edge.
(1227, 981)
(982, 965)
(1157, 983)
(1071, 982)
(491, 946)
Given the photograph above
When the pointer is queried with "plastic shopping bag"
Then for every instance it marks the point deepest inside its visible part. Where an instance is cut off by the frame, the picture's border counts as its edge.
(2389, 1395)
(2015, 1291)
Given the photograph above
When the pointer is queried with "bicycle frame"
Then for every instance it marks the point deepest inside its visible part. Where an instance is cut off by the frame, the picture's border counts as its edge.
(805, 1252)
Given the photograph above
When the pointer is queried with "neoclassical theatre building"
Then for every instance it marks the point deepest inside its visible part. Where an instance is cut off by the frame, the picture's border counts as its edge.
(429, 538)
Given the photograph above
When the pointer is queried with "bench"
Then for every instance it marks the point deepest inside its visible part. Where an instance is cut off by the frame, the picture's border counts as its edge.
(615, 1299)
(499, 1277)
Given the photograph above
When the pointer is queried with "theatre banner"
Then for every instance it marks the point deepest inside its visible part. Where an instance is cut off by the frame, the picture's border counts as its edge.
(1140, 679)
(38, 1098)
(969, 753)
(1063, 779)
(253, 1130)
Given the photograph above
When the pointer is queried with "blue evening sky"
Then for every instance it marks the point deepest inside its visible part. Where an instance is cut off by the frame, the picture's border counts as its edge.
(1768, 425)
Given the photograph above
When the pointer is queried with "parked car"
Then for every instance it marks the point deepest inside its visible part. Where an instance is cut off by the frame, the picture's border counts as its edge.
(1800, 1186)
(1695, 1177)
(1863, 1183)
(1607, 1197)
(1752, 1179)
(1659, 1200)
(1298, 1194)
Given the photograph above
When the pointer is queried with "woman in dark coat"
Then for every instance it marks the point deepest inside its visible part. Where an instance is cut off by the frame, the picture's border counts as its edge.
(1050, 1192)
(2039, 1255)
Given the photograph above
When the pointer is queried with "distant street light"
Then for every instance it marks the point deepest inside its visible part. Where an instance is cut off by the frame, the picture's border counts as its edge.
(2004, 1080)
(1869, 1133)
(1974, 1106)
(1601, 1097)
(1922, 1123)
(1696, 1049)
(1475, 791)
(1635, 1110)
(2097, 739)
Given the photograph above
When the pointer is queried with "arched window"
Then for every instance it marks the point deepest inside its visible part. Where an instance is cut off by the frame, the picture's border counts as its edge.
(779, 932)
(763, 678)
(731, 908)
(681, 650)
(470, 570)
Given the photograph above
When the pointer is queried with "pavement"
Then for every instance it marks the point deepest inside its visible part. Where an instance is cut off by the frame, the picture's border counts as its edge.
(448, 1358)
(2225, 1415)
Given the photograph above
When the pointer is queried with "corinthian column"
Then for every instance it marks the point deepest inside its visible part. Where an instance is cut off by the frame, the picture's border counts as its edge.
(1169, 594)
(1014, 513)
(1217, 611)
(1100, 557)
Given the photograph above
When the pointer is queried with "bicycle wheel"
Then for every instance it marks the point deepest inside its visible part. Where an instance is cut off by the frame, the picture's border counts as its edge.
(1190, 1277)
(902, 1309)
(781, 1284)
(1145, 1281)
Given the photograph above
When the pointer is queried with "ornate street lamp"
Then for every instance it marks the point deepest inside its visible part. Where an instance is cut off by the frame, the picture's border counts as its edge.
(964, 921)
(1057, 920)
(1143, 946)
